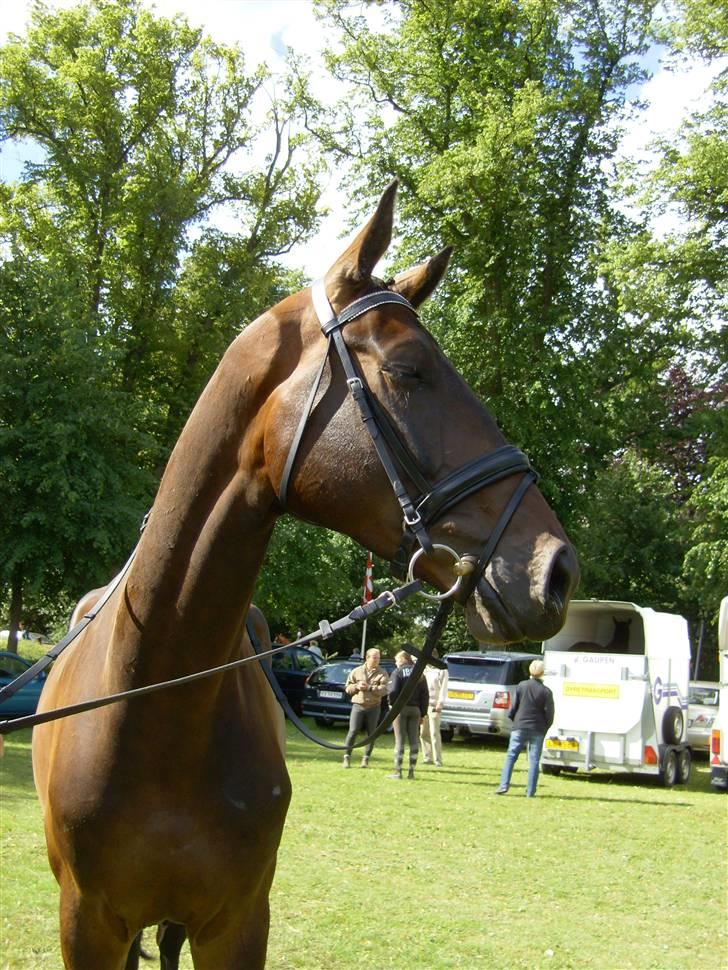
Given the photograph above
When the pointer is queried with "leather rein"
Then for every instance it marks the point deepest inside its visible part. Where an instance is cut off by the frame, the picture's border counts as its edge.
(418, 514)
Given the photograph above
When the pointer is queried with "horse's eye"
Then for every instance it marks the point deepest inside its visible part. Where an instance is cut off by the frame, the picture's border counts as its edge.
(402, 372)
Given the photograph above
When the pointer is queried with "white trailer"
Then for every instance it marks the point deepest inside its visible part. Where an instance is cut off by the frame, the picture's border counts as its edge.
(719, 735)
(619, 674)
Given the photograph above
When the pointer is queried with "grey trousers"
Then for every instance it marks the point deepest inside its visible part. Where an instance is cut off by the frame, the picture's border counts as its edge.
(407, 725)
(361, 719)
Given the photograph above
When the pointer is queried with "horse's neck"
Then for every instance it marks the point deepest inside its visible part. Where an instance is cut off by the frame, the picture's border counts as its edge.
(193, 577)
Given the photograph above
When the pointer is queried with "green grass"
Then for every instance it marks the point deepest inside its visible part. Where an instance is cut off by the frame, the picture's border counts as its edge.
(597, 873)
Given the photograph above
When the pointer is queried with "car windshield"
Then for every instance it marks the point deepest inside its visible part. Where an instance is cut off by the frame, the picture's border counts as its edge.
(12, 666)
(479, 670)
(707, 696)
(335, 673)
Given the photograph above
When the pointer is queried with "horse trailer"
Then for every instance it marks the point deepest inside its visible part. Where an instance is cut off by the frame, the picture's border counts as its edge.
(619, 674)
(719, 734)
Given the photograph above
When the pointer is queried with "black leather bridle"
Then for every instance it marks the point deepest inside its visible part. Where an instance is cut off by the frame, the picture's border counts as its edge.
(432, 501)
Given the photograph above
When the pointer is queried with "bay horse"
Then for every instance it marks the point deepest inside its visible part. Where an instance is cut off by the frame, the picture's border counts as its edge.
(170, 807)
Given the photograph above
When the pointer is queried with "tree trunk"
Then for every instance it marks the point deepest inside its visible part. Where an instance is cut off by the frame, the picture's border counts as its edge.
(16, 612)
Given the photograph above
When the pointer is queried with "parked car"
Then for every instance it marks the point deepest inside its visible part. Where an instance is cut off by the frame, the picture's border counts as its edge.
(290, 668)
(325, 699)
(702, 710)
(481, 685)
(25, 701)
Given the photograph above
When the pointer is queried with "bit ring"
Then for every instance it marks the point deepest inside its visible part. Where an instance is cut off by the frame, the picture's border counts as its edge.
(436, 596)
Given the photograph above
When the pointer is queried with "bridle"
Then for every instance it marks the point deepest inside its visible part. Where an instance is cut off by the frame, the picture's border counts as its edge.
(432, 501)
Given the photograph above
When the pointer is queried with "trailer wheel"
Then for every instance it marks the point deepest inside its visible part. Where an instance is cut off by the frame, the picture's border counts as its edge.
(684, 764)
(551, 769)
(672, 726)
(668, 775)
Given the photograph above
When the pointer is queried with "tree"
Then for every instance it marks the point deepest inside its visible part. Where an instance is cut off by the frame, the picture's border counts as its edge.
(68, 501)
(630, 539)
(674, 274)
(596, 342)
(114, 276)
(498, 120)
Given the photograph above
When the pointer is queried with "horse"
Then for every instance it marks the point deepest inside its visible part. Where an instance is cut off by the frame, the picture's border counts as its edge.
(619, 642)
(170, 807)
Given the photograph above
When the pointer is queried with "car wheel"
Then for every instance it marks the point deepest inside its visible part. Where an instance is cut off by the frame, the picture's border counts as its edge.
(446, 734)
(672, 726)
(668, 775)
(684, 764)
(323, 721)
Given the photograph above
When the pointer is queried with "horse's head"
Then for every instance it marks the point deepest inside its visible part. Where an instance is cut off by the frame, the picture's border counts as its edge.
(441, 444)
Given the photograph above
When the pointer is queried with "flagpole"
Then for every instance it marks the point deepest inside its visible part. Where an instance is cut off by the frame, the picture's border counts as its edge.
(367, 595)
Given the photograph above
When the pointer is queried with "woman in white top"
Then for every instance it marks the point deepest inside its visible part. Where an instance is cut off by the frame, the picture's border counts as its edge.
(430, 727)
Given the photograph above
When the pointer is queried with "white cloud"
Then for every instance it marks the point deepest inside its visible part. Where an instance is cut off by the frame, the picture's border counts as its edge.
(670, 96)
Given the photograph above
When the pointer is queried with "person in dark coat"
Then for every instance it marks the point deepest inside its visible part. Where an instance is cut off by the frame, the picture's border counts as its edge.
(408, 721)
(532, 714)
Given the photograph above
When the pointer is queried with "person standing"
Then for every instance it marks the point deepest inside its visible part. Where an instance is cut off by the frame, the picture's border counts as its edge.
(437, 680)
(532, 714)
(408, 721)
(366, 685)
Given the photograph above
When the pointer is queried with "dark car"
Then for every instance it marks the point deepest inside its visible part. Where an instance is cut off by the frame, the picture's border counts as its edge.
(324, 697)
(26, 699)
(291, 667)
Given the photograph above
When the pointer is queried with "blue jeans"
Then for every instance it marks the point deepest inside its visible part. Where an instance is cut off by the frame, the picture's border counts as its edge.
(520, 739)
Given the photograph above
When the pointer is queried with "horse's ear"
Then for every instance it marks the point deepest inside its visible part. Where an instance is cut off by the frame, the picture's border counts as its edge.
(357, 264)
(421, 282)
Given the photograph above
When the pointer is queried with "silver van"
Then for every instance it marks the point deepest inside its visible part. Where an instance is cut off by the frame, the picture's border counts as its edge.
(480, 691)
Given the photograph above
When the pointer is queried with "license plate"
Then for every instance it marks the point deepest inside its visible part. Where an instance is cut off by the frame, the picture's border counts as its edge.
(562, 744)
(461, 695)
(330, 693)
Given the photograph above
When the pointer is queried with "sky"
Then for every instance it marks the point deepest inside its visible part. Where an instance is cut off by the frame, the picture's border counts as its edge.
(264, 28)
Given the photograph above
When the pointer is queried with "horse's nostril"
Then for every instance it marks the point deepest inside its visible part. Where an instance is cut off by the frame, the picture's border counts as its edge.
(560, 582)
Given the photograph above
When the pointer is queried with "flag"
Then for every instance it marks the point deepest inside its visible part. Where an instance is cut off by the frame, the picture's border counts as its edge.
(368, 593)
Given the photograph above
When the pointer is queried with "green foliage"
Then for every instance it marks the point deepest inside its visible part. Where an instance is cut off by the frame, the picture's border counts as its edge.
(706, 562)
(69, 504)
(630, 546)
(584, 331)
(118, 294)
(498, 120)
(598, 343)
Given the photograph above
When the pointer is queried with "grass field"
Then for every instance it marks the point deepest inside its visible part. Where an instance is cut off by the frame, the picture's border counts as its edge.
(596, 872)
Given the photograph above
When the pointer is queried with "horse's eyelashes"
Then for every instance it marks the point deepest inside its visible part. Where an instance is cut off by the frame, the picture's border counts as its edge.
(404, 372)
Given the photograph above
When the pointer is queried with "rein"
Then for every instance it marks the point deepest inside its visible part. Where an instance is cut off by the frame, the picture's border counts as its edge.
(384, 601)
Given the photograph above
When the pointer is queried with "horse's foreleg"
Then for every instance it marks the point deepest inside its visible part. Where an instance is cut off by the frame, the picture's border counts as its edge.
(243, 942)
(88, 938)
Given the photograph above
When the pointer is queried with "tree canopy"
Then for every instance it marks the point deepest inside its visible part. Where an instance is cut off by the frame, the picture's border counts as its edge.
(595, 335)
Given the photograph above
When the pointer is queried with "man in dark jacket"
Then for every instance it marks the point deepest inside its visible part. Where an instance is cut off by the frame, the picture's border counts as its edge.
(532, 714)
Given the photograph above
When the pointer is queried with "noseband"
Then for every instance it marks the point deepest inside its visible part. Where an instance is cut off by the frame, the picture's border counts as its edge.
(432, 501)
